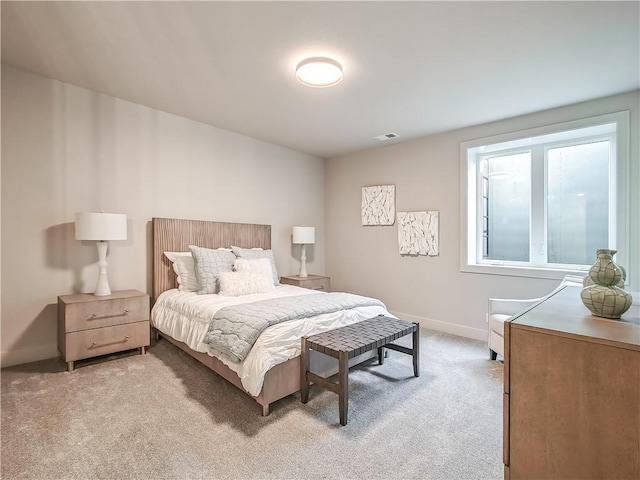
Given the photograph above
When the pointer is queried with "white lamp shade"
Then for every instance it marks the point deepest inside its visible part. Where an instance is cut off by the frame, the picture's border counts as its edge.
(304, 235)
(101, 226)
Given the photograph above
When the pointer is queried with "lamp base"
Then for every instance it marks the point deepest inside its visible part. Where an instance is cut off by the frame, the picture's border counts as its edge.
(303, 262)
(102, 287)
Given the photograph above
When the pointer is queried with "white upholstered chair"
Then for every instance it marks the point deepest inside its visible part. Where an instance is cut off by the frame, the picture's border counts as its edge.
(501, 309)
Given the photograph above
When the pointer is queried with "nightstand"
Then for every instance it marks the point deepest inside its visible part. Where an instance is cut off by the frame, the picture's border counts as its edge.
(89, 326)
(314, 282)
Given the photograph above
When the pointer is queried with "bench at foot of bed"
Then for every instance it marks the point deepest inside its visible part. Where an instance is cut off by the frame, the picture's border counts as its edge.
(347, 342)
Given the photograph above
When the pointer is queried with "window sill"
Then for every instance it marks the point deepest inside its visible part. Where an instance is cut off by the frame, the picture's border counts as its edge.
(529, 272)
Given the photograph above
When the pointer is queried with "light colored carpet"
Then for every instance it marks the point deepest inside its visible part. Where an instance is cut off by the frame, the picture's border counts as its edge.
(163, 416)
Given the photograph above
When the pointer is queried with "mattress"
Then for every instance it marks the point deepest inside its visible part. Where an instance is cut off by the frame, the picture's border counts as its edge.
(185, 316)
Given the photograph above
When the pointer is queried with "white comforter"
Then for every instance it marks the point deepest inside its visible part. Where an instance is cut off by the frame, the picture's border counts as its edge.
(185, 316)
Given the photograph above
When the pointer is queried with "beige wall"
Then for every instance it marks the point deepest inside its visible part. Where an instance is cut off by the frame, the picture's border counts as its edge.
(66, 149)
(426, 175)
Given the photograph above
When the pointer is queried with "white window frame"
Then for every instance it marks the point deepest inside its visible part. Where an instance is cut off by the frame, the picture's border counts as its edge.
(470, 227)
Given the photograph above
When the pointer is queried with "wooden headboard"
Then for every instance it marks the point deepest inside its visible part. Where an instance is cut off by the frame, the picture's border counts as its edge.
(175, 235)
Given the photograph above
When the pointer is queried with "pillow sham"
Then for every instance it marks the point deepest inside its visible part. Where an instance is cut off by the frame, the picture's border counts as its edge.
(185, 270)
(250, 253)
(235, 284)
(253, 265)
(209, 263)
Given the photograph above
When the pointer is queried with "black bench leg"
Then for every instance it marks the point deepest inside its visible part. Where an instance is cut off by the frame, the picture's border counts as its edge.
(416, 351)
(304, 367)
(343, 386)
(381, 355)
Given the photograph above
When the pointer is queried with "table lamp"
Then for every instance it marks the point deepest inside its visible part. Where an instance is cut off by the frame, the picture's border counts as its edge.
(101, 227)
(304, 236)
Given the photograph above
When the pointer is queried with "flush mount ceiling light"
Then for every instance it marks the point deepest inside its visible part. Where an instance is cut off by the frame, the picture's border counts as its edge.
(319, 72)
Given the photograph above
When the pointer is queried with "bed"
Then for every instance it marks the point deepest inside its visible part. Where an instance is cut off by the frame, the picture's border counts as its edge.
(271, 369)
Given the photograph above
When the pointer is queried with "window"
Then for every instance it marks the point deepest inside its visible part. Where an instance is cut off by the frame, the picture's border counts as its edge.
(541, 202)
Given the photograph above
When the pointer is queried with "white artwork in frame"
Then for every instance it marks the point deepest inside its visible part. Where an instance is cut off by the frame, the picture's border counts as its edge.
(418, 233)
(378, 205)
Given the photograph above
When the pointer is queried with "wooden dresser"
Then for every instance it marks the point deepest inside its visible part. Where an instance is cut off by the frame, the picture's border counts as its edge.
(89, 326)
(571, 392)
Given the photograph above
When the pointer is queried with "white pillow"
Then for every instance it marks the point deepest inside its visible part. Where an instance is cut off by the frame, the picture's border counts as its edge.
(254, 265)
(185, 269)
(253, 253)
(234, 284)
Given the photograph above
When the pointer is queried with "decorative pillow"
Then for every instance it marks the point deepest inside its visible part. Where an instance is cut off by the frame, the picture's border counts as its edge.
(234, 284)
(254, 265)
(250, 253)
(185, 270)
(209, 263)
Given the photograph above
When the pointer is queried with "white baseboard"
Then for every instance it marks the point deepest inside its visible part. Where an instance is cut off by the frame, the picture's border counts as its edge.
(446, 327)
(28, 355)
(34, 354)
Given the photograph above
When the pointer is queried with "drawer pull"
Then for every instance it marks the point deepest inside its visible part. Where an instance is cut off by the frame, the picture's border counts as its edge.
(100, 317)
(96, 344)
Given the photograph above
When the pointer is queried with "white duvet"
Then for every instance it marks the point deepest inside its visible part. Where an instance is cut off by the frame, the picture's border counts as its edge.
(185, 316)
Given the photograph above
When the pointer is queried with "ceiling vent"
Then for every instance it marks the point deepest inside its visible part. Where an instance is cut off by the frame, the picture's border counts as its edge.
(386, 136)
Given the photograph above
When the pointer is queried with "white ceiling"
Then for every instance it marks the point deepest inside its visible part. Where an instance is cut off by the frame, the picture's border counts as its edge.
(413, 68)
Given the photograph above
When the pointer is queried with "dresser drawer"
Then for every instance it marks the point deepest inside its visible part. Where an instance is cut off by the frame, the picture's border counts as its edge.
(101, 341)
(108, 312)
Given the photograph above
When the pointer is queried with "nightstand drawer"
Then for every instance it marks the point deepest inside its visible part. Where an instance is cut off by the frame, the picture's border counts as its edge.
(100, 341)
(313, 282)
(316, 284)
(108, 312)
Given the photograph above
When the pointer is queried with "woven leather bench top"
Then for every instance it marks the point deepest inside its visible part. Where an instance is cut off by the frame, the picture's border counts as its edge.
(360, 337)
